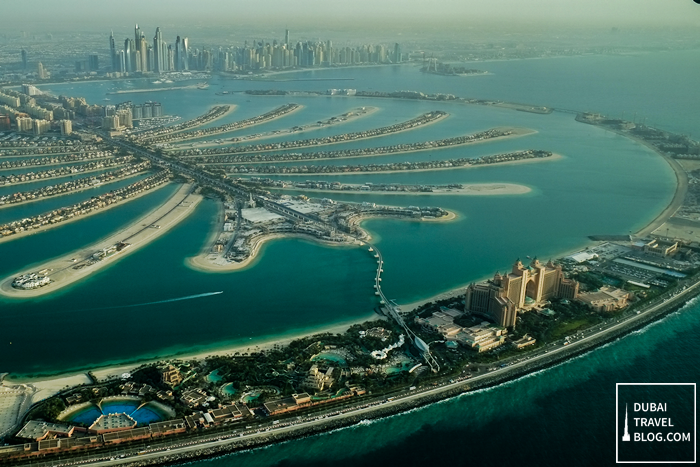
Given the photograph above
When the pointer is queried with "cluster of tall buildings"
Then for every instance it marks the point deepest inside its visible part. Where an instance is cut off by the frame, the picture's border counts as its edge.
(525, 287)
(146, 110)
(276, 55)
(49, 113)
(142, 55)
(116, 119)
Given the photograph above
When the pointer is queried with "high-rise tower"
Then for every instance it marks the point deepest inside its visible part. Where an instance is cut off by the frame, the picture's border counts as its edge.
(127, 56)
(178, 45)
(159, 59)
(113, 53)
(626, 435)
(41, 71)
(142, 46)
(185, 56)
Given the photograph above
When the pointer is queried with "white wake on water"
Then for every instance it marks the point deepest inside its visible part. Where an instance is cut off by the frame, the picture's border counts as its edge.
(189, 297)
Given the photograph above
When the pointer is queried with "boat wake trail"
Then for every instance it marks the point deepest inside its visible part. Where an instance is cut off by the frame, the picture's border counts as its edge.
(189, 297)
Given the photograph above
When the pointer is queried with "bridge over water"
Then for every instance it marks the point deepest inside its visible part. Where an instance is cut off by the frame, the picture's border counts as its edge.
(394, 312)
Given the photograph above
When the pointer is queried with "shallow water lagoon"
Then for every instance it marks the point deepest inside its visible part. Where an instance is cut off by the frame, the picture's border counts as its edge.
(604, 184)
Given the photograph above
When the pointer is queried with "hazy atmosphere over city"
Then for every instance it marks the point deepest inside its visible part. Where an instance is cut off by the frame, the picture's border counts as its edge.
(85, 14)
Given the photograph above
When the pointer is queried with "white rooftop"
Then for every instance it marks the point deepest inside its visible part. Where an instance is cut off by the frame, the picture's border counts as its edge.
(259, 215)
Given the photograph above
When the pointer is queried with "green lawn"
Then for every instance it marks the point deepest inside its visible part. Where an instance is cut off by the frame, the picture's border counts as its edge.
(570, 327)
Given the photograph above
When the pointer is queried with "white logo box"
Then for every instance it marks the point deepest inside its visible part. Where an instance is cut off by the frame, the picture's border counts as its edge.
(617, 423)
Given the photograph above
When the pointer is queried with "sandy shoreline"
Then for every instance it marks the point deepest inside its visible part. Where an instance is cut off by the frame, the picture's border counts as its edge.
(473, 189)
(681, 186)
(138, 234)
(44, 228)
(223, 132)
(48, 180)
(520, 132)
(232, 107)
(56, 383)
(48, 385)
(203, 263)
(264, 75)
(270, 134)
(655, 224)
(553, 157)
(136, 91)
(439, 119)
(42, 198)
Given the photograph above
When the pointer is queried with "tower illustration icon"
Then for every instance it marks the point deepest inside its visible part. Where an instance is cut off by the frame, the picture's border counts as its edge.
(626, 436)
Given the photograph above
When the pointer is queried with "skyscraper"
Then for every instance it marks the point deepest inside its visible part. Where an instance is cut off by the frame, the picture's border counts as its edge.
(286, 37)
(127, 55)
(41, 71)
(137, 35)
(113, 53)
(24, 59)
(158, 58)
(397, 53)
(177, 54)
(185, 54)
(93, 61)
(142, 45)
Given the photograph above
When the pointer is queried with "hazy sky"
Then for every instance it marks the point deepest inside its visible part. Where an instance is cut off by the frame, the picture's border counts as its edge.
(275, 12)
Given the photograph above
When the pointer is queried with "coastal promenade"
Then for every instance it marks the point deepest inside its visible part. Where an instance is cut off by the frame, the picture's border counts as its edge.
(76, 266)
(216, 442)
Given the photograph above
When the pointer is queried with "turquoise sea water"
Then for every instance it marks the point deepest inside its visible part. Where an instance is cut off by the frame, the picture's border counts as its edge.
(604, 184)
